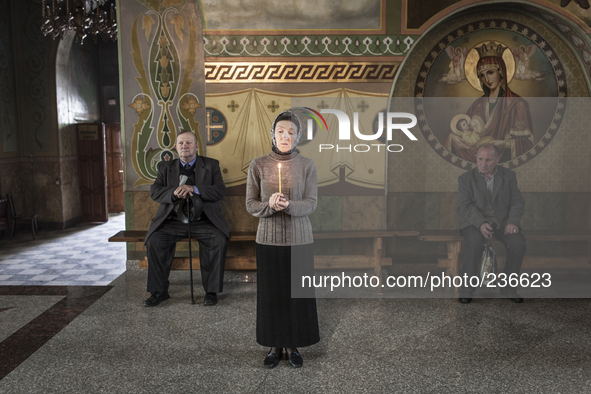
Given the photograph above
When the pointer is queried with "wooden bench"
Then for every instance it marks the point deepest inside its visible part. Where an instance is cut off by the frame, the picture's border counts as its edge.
(454, 240)
(374, 261)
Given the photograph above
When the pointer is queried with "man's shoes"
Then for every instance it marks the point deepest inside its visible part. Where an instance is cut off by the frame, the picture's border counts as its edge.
(295, 359)
(512, 295)
(210, 299)
(272, 359)
(156, 298)
(465, 300)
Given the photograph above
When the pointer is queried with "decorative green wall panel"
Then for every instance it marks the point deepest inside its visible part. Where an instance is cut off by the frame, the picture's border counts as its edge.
(162, 82)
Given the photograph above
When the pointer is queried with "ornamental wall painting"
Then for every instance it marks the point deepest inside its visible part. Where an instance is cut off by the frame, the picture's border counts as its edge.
(304, 15)
(491, 81)
(166, 50)
(238, 129)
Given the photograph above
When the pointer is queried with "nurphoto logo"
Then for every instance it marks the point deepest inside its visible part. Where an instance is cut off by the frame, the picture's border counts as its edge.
(392, 122)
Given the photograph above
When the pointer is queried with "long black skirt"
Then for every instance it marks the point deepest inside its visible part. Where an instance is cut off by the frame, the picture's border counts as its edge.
(283, 321)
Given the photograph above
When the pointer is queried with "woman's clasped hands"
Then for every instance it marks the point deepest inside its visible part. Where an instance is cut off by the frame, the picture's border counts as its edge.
(278, 202)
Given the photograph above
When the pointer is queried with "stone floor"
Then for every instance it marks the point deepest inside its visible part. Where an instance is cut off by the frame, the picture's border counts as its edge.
(80, 255)
(99, 338)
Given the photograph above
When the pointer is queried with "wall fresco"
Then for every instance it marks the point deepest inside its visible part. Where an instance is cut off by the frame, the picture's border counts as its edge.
(564, 165)
(317, 72)
(305, 14)
(249, 114)
(163, 85)
(308, 45)
(526, 66)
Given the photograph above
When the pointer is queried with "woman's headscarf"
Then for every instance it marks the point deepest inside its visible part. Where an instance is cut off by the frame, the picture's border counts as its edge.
(291, 116)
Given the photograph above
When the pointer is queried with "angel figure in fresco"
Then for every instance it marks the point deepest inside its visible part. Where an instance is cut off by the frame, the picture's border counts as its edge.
(503, 114)
(522, 56)
(456, 72)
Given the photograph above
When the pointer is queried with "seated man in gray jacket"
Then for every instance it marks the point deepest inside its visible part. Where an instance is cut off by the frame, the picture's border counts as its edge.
(490, 203)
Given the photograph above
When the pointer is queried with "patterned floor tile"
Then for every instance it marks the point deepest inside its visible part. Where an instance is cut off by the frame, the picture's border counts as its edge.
(32, 272)
(44, 278)
(80, 255)
(12, 261)
(40, 256)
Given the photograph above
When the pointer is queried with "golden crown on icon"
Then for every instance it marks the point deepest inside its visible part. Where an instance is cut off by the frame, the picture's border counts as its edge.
(491, 49)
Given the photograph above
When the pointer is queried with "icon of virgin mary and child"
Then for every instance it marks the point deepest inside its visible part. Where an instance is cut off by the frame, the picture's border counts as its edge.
(500, 116)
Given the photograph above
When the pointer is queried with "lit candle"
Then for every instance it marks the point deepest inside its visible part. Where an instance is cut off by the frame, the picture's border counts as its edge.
(279, 165)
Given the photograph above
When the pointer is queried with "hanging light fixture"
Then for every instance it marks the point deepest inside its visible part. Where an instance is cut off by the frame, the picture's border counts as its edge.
(85, 17)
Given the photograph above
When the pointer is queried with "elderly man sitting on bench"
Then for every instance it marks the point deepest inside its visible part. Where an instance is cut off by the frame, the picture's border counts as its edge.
(490, 203)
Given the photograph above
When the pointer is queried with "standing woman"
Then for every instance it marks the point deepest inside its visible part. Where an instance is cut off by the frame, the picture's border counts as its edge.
(284, 231)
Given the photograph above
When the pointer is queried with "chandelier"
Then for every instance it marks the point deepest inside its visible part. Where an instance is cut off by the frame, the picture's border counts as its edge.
(61, 16)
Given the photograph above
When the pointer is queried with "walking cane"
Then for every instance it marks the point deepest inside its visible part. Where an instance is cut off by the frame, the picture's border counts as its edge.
(188, 201)
(188, 204)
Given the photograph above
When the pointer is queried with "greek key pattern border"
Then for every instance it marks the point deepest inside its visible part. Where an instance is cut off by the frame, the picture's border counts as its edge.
(300, 72)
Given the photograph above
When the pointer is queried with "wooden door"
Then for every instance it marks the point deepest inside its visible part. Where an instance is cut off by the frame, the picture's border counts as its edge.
(92, 172)
(115, 199)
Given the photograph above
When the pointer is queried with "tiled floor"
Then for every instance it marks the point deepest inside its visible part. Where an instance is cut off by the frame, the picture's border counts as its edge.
(78, 256)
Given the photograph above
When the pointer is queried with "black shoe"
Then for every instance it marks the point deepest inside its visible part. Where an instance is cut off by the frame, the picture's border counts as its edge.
(295, 359)
(584, 4)
(210, 299)
(465, 300)
(513, 296)
(156, 298)
(272, 359)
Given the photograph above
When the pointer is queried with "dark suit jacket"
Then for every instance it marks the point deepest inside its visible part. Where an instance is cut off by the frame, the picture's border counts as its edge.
(474, 198)
(208, 179)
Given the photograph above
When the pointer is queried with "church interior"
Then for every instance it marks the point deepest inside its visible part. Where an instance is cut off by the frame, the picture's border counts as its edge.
(93, 94)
